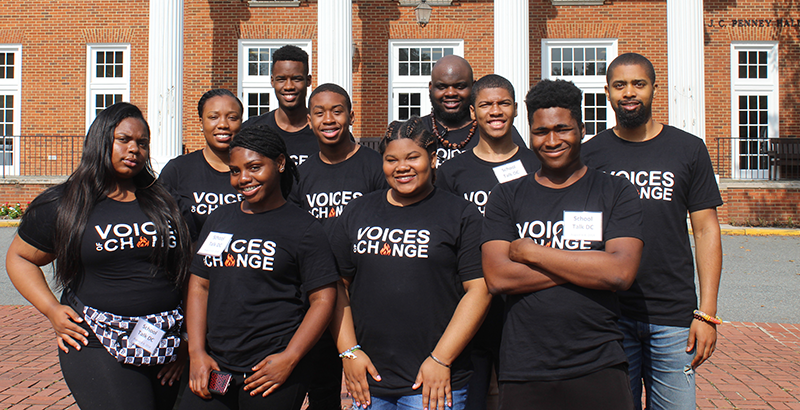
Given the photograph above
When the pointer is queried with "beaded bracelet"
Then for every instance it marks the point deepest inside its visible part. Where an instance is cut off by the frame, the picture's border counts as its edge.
(705, 317)
(439, 361)
(350, 353)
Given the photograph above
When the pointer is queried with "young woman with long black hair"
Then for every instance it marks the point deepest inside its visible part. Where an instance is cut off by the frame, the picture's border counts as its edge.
(245, 310)
(200, 180)
(122, 249)
(413, 293)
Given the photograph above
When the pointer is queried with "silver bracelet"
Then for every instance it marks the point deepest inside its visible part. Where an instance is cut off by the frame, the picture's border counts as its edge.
(439, 361)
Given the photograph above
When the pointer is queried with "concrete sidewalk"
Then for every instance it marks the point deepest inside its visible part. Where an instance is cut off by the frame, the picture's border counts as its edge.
(756, 366)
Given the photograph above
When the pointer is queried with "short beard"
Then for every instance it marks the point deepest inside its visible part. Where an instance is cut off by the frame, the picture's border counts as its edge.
(453, 119)
(635, 119)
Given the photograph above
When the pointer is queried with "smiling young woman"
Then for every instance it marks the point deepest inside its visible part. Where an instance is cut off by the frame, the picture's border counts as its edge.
(199, 181)
(245, 313)
(412, 293)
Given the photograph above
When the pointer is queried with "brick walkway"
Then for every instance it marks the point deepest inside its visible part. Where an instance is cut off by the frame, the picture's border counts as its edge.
(756, 366)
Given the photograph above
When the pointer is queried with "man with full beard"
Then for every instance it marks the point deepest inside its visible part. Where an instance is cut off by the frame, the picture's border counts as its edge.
(449, 89)
(667, 335)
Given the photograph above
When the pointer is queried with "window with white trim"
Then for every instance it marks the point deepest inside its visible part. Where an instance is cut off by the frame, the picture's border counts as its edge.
(410, 72)
(255, 68)
(108, 77)
(10, 98)
(584, 62)
(754, 106)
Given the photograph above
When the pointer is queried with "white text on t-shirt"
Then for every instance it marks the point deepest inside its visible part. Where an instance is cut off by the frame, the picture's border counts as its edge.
(550, 234)
(657, 185)
(404, 243)
(329, 204)
(243, 253)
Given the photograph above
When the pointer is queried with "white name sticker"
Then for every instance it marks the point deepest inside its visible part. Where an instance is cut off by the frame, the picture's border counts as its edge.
(583, 225)
(145, 335)
(215, 243)
(510, 171)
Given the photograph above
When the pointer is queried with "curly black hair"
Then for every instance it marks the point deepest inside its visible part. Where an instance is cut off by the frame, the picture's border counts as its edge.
(558, 93)
(290, 53)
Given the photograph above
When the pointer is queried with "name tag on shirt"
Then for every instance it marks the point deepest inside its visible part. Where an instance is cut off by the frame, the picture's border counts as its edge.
(510, 171)
(215, 244)
(583, 225)
(145, 335)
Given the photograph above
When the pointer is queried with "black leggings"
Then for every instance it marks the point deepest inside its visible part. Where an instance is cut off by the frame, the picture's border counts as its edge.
(98, 381)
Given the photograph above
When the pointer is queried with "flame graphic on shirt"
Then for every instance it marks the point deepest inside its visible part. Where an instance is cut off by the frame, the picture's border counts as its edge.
(386, 249)
(332, 213)
(143, 242)
(230, 260)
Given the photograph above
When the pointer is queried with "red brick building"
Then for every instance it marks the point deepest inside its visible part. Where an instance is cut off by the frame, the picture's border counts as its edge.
(725, 70)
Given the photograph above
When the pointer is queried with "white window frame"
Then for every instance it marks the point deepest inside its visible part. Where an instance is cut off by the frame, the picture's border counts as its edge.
(103, 85)
(413, 84)
(261, 84)
(594, 84)
(747, 86)
(13, 87)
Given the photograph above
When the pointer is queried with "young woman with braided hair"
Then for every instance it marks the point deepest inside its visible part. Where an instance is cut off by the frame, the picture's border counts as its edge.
(245, 313)
(412, 293)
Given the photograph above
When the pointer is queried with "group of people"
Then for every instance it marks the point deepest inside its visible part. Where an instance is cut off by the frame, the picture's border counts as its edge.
(284, 254)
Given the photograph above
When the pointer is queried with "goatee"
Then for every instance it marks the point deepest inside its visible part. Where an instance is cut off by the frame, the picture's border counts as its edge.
(450, 119)
(635, 118)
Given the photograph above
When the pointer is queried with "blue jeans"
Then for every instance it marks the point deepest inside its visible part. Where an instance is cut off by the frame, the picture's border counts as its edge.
(414, 402)
(657, 356)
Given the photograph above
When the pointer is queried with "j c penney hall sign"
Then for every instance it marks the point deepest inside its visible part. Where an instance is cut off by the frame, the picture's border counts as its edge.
(779, 22)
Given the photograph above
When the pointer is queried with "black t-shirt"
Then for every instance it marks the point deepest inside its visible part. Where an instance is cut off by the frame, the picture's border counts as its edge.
(473, 178)
(325, 189)
(301, 145)
(198, 188)
(407, 265)
(116, 247)
(254, 293)
(672, 174)
(565, 331)
(457, 136)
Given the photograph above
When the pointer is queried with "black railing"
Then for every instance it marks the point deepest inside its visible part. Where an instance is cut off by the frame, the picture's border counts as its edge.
(757, 158)
(39, 155)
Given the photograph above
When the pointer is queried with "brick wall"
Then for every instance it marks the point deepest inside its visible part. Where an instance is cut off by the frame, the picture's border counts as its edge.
(640, 26)
(760, 206)
(54, 35)
(21, 192)
(718, 65)
(212, 30)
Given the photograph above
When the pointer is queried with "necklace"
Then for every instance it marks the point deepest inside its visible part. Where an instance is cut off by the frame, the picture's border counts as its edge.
(452, 145)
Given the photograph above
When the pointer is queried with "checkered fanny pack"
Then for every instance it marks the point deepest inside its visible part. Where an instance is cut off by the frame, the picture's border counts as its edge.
(114, 332)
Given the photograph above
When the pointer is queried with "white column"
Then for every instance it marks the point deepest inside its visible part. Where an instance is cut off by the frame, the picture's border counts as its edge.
(165, 81)
(335, 43)
(512, 53)
(686, 64)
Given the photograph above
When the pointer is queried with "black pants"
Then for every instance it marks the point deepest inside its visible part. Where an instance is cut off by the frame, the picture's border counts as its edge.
(485, 355)
(325, 372)
(289, 396)
(607, 389)
(98, 381)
